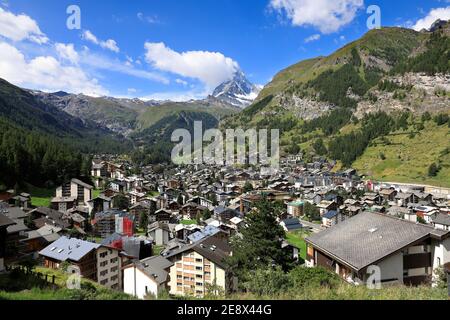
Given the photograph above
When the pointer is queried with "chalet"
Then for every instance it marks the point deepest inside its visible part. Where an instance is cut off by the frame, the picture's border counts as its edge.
(45, 216)
(15, 232)
(77, 189)
(99, 170)
(135, 197)
(5, 222)
(332, 218)
(160, 233)
(162, 215)
(191, 209)
(118, 186)
(22, 200)
(78, 253)
(99, 204)
(138, 209)
(403, 199)
(291, 224)
(224, 214)
(39, 239)
(406, 252)
(63, 204)
(388, 194)
(208, 231)
(182, 232)
(326, 206)
(372, 199)
(147, 277)
(202, 202)
(442, 221)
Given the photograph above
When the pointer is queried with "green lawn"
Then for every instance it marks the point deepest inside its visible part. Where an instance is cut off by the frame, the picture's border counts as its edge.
(157, 250)
(152, 193)
(188, 222)
(296, 238)
(40, 197)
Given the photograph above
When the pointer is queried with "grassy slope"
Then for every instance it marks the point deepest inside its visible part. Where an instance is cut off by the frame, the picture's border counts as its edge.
(28, 292)
(296, 238)
(407, 160)
(40, 197)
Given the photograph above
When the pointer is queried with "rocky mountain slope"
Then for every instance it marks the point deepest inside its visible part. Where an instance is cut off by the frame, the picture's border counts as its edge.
(238, 91)
(349, 77)
(128, 116)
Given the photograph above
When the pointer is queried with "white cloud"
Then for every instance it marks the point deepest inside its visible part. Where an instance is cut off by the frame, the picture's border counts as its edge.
(177, 96)
(97, 61)
(109, 44)
(131, 90)
(20, 27)
(45, 73)
(180, 81)
(328, 16)
(67, 52)
(314, 37)
(211, 68)
(153, 19)
(433, 15)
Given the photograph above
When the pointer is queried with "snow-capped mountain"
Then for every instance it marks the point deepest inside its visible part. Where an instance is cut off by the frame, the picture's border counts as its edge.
(238, 91)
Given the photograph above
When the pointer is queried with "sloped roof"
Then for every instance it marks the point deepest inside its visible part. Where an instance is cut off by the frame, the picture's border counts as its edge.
(68, 249)
(155, 267)
(369, 237)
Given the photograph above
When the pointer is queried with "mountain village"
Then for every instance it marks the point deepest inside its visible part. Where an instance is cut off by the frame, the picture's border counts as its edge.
(168, 230)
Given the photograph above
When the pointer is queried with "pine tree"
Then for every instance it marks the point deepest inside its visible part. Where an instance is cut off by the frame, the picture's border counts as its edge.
(259, 244)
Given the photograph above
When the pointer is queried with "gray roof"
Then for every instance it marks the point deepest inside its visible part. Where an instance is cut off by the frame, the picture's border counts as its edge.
(81, 183)
(68, 249)
(443, 219)
(155, 267)
(369, 237)
(19, 226)
(213, 249)
(5, 221)
(14, 213)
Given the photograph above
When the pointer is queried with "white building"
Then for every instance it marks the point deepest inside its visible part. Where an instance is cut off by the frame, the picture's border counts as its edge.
(147, 277)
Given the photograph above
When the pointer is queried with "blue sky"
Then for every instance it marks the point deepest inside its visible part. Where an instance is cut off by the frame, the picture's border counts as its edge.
(180, 49)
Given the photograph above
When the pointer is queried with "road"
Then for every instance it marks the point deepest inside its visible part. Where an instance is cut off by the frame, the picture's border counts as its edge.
(316, 227)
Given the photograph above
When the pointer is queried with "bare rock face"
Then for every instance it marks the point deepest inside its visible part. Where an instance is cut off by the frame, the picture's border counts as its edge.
(426, 93)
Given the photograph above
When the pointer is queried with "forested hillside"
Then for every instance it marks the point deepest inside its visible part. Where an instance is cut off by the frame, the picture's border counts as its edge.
(43, 145)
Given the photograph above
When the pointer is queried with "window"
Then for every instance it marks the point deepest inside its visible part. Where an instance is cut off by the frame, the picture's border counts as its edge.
(198, 260)
(438, 261)
(103, 254)
(199, 276)
(199, 284)
(199, 268)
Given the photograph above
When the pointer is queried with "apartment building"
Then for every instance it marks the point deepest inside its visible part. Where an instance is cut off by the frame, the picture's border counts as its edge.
(75, 189)
(200, 267)
(109, 267)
